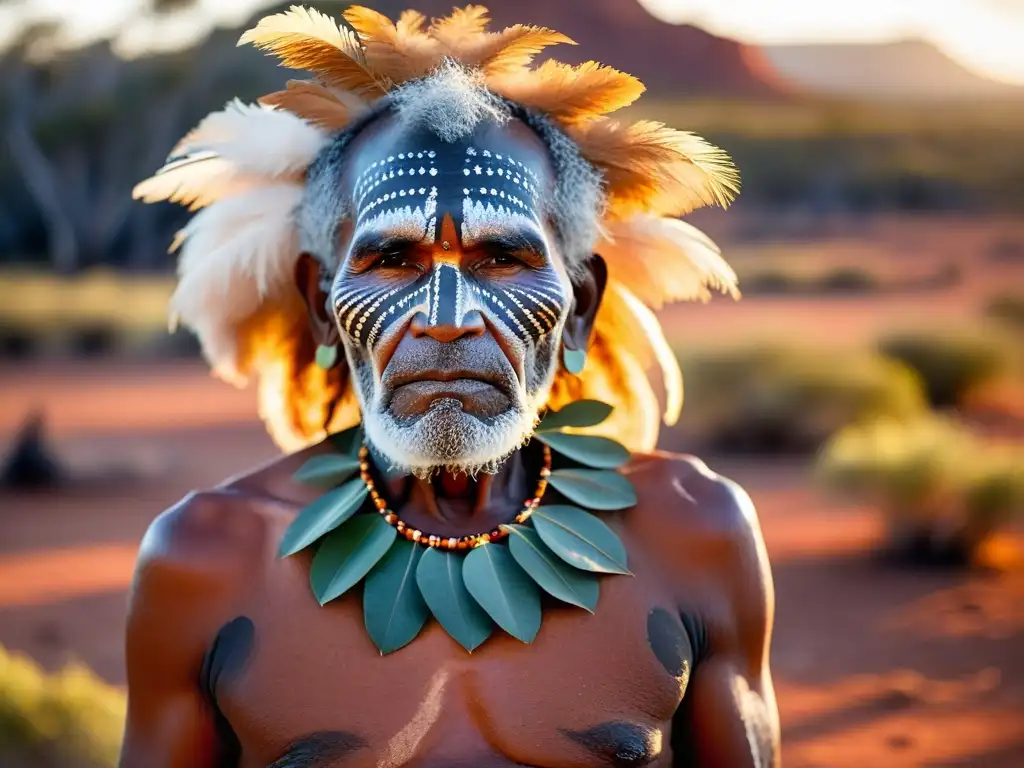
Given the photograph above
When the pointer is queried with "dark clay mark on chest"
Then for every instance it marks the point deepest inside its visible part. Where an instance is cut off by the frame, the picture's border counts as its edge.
(319, 750)
(622, 745)
(670, 643)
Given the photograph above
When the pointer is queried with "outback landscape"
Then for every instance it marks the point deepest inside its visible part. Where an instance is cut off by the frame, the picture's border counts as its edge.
(868, 390)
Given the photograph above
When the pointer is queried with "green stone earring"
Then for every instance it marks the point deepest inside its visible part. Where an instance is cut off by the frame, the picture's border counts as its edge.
(574, 360)
(327, 356)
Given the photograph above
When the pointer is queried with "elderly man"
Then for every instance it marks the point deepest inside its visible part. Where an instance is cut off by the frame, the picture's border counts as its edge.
(439, 259)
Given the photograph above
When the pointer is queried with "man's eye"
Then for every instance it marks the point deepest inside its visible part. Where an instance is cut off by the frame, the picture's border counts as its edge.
(394, 261)
(500, 261)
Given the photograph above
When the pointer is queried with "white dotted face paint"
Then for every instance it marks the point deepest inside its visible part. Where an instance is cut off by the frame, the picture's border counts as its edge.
(494, 199)
(397, 196)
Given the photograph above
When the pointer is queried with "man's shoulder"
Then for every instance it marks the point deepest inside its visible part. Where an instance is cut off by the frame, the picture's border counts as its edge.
(702, 528)
(205, 537)
(681, 492)
(215, 532)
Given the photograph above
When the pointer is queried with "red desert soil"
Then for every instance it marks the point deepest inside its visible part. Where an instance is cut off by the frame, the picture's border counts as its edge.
(875, 666)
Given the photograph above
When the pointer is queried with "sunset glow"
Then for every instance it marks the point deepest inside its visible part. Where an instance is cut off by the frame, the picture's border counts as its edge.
(982, 35)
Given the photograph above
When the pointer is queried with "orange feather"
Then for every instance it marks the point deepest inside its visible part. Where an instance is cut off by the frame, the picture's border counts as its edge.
(568, 94)
(461, 24)
(501, 52)
(399, 53)
(313, 103)
(307, 39)
(652, 168)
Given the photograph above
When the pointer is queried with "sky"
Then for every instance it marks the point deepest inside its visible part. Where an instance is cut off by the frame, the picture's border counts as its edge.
(986, 36)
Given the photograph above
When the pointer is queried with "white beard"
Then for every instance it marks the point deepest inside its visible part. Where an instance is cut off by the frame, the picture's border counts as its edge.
(447, 438)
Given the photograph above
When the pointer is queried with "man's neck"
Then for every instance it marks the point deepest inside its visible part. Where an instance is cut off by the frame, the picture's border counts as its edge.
(457, 502)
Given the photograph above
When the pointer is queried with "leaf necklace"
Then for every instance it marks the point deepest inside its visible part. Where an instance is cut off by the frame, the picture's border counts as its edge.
(469, 584)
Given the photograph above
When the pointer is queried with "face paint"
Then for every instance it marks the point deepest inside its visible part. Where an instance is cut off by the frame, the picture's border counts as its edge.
(500, 195)
(493, 198)
(396, 196)
(444, 234)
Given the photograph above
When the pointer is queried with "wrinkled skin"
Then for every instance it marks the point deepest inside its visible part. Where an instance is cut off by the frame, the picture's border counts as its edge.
(232, 662)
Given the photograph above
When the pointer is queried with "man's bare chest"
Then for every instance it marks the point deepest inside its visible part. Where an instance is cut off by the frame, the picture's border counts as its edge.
(302, 682)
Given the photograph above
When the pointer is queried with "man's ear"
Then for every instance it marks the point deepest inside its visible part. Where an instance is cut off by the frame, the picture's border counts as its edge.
(588, 289)
(308, 279)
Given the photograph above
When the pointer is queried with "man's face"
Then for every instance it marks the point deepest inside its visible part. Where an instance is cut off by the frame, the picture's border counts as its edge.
(450, 297)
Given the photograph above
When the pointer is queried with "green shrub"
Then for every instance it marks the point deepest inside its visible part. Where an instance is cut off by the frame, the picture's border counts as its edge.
(777, 400)
(850, 280)
(69, 719)
(773, 282)
(942, 491)
(1007, 308)
(779, 282)
(949, 365)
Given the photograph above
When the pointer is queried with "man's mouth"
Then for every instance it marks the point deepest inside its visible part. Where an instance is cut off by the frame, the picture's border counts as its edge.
(412, 394)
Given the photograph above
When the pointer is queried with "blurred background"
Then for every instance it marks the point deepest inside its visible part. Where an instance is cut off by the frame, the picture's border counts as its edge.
(867, 390)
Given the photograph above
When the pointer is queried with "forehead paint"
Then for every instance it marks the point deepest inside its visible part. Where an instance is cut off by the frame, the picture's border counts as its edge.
(397, 196)
(500, 194)
(489, 195)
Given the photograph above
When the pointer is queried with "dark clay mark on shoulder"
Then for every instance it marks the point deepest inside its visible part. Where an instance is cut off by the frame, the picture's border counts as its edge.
(622, 745)
(319, 750)
(224, 663)
(228, 655)
(670, 642)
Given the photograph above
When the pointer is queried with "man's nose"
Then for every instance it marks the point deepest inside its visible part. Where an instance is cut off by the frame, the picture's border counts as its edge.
(446, 330)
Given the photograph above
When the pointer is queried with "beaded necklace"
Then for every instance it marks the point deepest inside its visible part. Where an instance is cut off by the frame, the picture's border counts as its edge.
(449, 542)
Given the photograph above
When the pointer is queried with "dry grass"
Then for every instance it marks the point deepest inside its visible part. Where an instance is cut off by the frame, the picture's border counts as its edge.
(70, 718)
(44, 303)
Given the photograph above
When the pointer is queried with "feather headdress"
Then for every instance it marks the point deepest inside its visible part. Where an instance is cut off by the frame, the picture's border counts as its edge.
(244, 168)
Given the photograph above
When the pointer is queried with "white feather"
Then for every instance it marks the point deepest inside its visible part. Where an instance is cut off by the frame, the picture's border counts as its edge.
(256, 139)
(664, 259)
(237, 253)
(237, 149)
(195, 182)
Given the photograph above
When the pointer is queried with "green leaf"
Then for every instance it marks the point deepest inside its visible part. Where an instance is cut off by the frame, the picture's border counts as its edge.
(581, 413)
(439, 577)
(327, 470)
(594, 488)
(555, 577)
(581, 539)
(348, 553)
(393, 609)
(322, 516)
(591, 450)
(504, 590)
(348, 441)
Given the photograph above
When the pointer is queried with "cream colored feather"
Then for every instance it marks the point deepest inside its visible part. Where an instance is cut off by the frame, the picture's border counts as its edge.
(664, 259)
(236, 254)
(257, 139)
(625, 323)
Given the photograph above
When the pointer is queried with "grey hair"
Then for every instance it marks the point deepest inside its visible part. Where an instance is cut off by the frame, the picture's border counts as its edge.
(451, 102)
